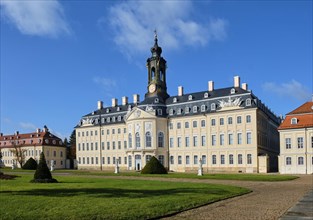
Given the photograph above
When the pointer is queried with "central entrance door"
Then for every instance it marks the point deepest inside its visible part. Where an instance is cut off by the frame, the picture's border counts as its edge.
(137, 162)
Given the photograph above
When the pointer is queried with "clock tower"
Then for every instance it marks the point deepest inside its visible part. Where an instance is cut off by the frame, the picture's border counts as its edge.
(156, 73)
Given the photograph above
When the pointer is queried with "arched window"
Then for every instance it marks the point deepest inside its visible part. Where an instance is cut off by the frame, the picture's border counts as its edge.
(174, 100)
(294, 121)
(232, 91)
(213, 106)
(152, 73)
(171, 112)
(179, 110)
(202, 108)
(130, 140)
(161, 139)
(148, 139)
(187, 110)
(206, 95)
(248, 102)
(137, 140)
(194, 109)
(190, 97)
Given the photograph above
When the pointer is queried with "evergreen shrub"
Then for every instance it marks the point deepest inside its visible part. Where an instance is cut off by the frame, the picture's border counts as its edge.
(30, 164)
(154, 167)
(43, 174)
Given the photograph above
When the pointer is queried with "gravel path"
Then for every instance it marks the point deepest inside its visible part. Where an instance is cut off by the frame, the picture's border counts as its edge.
(269, 200)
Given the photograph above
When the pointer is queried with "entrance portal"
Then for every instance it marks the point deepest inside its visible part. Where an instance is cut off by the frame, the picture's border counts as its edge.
(137, 162)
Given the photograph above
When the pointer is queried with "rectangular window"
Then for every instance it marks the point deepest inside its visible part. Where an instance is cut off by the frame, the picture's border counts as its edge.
(213, 159)
(249, 138)
(87, 146)
(187, 159)
(300, 142)
(96, 132)
(248, 118)
(179, 160)
(178, 125)
(288, 143)
(187, 141)
(312, 141)
(195, 159)
(102, 132)
(171, 126)
(213, 139)
(231, 159)
(222, 159)
(239, 138)
(118, 130)
(125, 160)
(108, 145)
(230, 139)
(179, 142)
(78, 148)
(83, 160)
(222, 138)
(87, 160)
(186, 124)
(230, 120)
(202, 123)
(102, 145)
(161, 159)
(239, 120)
(300, 161)
(119, 145)
(249, 159)
(195, 141)
(113, 146)
(87, 133)
(103, 160)
(171, 142)
(288, 160)
(108, 160)
(221, 121)
(213, 122)
(203, 140)
(203, 159)
(92, 160)
(96, 146)
(172, 160)
(91, 133)
(239, 158)
(194, 124)
(125, 144)
(91, 146)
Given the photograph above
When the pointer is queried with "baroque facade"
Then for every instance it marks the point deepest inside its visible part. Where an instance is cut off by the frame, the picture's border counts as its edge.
(31, 145)
(296, 141)
(227, 129)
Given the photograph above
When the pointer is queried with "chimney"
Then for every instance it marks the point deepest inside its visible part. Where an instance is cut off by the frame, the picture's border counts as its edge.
(100, 105)
(124, 100)
(114, 102)
(211, 86)
(17, 132)
(244, 86)
(136, 98)
(236, 81)
(180, 91)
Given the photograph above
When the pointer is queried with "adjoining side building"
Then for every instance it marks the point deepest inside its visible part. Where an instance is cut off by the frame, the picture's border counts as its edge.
(227, 129)
(296, 141)
(31, 145)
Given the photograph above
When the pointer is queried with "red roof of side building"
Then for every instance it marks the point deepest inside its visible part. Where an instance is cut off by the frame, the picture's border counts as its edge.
(301, 117)
(30, 139)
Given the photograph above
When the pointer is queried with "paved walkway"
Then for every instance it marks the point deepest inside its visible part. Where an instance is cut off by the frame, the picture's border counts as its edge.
(302, 210)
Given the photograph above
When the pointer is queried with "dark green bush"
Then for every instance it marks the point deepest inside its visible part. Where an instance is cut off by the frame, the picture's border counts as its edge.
(43, 174)
(30, 164)
(154, 167)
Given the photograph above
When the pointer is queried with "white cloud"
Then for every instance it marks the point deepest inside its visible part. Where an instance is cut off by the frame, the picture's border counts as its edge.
(134, 23)
(27, 126)
(41, 18)
(107, 83)
(292, 89)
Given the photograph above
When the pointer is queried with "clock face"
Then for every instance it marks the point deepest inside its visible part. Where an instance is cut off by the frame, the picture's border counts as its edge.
(152, 88)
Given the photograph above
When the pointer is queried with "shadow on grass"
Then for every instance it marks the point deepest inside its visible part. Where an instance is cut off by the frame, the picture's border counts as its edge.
(118, 193)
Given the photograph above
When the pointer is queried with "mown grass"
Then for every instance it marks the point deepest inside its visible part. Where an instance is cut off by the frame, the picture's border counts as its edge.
(85, 197)
(219, 176)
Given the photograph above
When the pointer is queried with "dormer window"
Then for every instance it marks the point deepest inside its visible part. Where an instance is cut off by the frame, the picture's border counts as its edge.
(113, 119)
(248, 102)
(179, 111)
(129, 108)
(213, 106)
(294, 121)
(160, 112)
(195, 109)
(232, 91)
(156, 100)
(206, 95)
(190, 97)
(187, 110)
(108, 110)
(108, 119)
(171, 112)
(174, 100)
(118, 109)
(202, 108)
(119, 118)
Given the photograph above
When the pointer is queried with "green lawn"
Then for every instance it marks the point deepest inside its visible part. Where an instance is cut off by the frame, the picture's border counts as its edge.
(82, 197)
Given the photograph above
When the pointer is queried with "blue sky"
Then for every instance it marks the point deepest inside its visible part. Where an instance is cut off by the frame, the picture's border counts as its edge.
(58, 58)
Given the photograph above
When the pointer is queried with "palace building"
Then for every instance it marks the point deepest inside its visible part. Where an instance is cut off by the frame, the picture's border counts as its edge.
(296, 141)
(31, 145)
(225, 129)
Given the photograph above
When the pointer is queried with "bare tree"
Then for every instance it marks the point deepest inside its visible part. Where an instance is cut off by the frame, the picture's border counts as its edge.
(18, 153)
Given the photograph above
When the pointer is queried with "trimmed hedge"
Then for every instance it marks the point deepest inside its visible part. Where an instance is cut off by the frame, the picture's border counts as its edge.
(154, 167)
(43, 174)
(30, 164)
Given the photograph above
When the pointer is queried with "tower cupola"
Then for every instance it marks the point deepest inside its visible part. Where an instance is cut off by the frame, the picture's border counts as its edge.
(156, 66)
